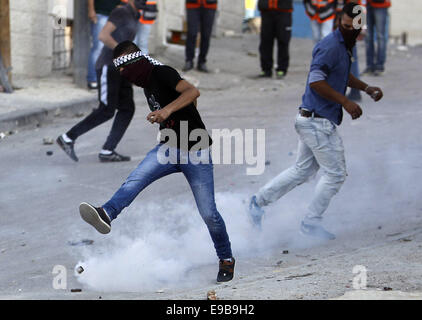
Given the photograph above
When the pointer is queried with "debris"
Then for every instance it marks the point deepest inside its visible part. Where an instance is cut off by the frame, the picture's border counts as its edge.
(75, 290)
(49, 153)
(211, 295)
(80, 269)
(393, 234)
(285, 251)
(290, 153)
(405, 240)
(387, 289)
(84, 242)
(160, 291)
(252, 54)
(47, 140)
(279, 262)
(298, 276)
(2, 135)
(267, 163)
(229, 33)
(379, 227)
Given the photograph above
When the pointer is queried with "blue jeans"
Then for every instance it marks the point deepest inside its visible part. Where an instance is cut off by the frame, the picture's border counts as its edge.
(142, 37)
(201, 180)
(96, 47)
(320, 146)
(321, 30)
(376, 21)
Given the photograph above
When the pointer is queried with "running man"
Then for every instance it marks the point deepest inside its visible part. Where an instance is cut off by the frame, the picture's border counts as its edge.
(172, 101)
(114, 92)
(320, 145)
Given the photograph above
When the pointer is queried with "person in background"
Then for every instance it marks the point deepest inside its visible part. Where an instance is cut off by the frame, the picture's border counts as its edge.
(320, 145)
(322, 14)
(98, 12)
(377, 17)
(354, 94)
(148, 16)
(115, 93)
(200, 18)
(276, 17)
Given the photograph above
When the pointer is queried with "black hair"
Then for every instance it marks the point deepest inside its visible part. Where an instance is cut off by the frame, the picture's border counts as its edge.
(125, 47)
(350, 10)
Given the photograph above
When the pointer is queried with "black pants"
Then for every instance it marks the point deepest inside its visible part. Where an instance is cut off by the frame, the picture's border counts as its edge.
(114, 93)
(275, 25)
(199, 20)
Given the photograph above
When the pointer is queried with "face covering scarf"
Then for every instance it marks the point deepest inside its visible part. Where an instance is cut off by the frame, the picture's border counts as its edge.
(137, 68)
(349, 36)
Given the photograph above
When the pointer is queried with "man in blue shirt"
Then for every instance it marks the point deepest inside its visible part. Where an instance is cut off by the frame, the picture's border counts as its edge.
(320, 145)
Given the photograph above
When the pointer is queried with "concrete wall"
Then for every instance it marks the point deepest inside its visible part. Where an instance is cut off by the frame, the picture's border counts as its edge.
(406, 17)
(31, 38)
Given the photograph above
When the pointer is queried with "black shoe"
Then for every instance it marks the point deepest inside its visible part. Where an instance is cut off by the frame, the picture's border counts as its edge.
(188, 66)
(67, 148)
(202, 67)
(226, 270)
(281, 74)
(368, 72)
(96, 217)
(113, 157)
(265, 74)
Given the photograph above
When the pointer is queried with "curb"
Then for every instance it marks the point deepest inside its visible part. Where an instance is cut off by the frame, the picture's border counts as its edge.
(40, 115)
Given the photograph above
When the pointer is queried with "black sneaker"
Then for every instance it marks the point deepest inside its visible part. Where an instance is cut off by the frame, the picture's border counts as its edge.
(281, 74)
(188, 66)
(226, 270)
(367, 72)
(113, 157)
(96, 217)
(202, 67)
(265, 74)
(67, 148)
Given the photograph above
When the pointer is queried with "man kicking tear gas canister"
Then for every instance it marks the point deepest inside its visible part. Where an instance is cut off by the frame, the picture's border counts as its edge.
(320, 145)
(172, 101)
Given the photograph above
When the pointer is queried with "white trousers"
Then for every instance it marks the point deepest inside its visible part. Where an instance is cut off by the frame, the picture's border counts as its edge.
(320, 146)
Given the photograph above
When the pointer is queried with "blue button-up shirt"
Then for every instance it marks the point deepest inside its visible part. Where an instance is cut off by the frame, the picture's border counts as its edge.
(331, 61)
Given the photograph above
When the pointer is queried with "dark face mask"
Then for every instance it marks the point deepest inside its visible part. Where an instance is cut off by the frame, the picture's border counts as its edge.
(138, 72)
(349, 36)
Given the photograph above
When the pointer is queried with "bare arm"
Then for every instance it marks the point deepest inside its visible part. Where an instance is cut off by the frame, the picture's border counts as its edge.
(326, 91)
(356, 83)
(105, 35)
(92, 15)
(189, 94)
(375, 92)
